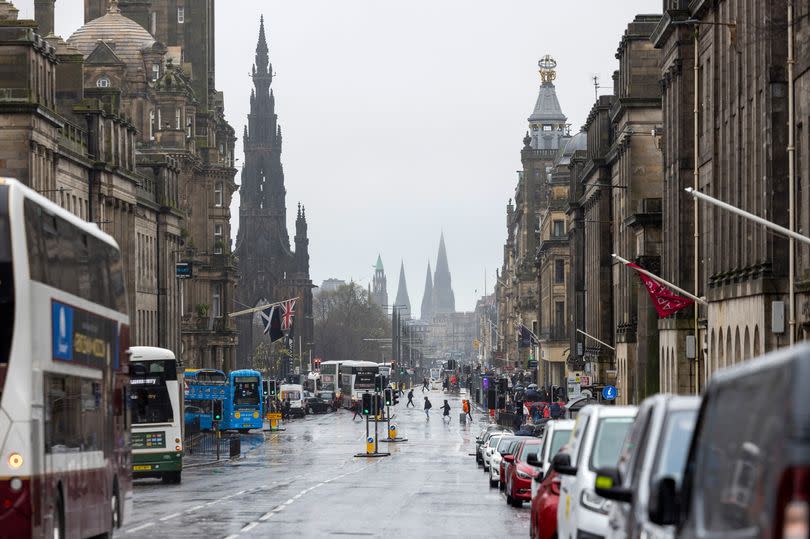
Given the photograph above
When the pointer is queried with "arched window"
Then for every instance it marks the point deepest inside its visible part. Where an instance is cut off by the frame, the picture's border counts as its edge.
(103, 82)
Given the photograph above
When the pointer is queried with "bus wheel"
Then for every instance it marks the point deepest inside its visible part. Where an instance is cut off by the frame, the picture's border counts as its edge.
(59, 517)
(244, 431)
(171, 478)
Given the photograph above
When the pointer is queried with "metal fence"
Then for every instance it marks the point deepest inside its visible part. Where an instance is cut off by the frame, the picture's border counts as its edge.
(210, 443)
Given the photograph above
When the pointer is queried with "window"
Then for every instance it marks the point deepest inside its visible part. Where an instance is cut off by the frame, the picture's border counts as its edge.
(103, 82)
(559, 271)
(177, 119)
(245, 391)
(608, 442)
(218, 243)
(546, 128)
(151, 125)
(155, 71)
(218, 194)
(181, 15)
(558, 228)
(216, 301)
(559, 315)
(73, 414)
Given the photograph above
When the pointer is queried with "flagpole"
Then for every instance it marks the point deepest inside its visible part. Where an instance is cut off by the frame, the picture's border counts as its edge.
(261, 308)
(661, 280)
(597, 340)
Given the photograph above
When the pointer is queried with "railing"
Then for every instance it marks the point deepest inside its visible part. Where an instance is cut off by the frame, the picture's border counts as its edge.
(209, 443)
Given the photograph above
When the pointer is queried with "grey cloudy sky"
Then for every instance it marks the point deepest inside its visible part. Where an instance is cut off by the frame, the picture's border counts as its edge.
(403, 119)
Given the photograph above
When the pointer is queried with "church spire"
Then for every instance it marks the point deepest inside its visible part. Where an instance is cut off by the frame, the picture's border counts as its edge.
(402, 300)
(379, 290)
(262, 51)
(444, 300)
(427, 298)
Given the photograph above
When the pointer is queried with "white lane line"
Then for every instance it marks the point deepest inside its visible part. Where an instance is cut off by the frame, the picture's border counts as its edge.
(195, 508)
(297, 496)
(288, 502)
(249, 527)
(265, 516)
(278, 509)
(142, 527)
(169, 517)
(234, 536)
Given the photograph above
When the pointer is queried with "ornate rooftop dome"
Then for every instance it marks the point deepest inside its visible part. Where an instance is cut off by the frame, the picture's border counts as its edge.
(125, 36)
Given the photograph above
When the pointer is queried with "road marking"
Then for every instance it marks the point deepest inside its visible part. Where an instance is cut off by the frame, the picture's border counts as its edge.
(142, 527)
(249, 527)
(169, 517)
(279, 508)
(265, 516)
(196, 508)
(288, 502)
(297, 496)
(234, 536)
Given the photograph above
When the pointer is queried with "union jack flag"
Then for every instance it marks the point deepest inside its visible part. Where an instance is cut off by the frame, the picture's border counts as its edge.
(287, 314)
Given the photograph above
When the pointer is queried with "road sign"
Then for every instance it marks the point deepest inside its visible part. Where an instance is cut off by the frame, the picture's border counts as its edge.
(273, 415)
(182, 270)
(609, 393)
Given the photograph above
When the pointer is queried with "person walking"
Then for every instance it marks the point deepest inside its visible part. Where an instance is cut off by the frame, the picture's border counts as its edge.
(465, 405)
(428, 406)
(446, 408)
(356, 408)
(410, 399)
(425, 385)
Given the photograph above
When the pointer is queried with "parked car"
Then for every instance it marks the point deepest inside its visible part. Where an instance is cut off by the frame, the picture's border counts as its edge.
(489, 447)
(655, 447)
(505, 447)
(317, 404)
(329, 397)
(479, 449)
(747, 474)
(556, 435)
(519, 473)
(292, 398)
(545, 498)
(596, 440)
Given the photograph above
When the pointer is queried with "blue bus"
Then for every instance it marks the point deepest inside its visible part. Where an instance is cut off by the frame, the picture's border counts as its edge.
(240, 392)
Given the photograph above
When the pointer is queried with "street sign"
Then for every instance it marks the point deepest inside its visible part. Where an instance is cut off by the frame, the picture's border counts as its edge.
(273, 415)
(182, 270)
(609, 393)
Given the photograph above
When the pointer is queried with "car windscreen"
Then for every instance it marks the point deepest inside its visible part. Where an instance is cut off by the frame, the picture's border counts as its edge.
(558, 440)
(504, 444)
(673, 446)
(607, 445)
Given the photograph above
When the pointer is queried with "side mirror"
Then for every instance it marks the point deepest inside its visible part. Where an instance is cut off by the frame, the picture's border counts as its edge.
(532, 460)
(540, 475)
(608, 484)
(562, 464)
(664, 503)
(509, 458)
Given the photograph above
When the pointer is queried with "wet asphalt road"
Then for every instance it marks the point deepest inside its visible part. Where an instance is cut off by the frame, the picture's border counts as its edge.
(306, 482)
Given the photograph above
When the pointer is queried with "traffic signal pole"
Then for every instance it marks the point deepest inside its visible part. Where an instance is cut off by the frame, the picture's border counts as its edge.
(372, 409)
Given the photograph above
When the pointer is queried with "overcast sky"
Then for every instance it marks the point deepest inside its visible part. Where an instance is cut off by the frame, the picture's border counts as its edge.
(403, 119)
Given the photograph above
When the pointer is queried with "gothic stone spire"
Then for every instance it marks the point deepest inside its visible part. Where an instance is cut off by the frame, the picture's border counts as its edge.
(402, 294)
(427, 298)
(444, 300)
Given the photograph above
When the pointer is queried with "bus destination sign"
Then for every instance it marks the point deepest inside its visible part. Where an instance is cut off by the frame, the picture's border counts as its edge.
(82, 337)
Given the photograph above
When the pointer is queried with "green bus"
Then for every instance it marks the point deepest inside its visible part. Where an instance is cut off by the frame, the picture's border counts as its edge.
(157, 414)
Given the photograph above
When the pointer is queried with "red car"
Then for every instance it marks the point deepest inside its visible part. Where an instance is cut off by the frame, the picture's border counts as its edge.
(519, 474)
(544, 508)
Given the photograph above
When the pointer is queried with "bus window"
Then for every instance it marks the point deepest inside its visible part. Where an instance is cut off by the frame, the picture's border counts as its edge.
(246, 391)
(73, 414)
(165, 369)
(149, 394)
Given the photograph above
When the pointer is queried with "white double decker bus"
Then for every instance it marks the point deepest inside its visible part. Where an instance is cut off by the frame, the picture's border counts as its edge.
(64, 434)
(157, 413)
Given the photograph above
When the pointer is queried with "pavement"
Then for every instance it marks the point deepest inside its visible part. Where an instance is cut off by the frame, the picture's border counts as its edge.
(306, 482)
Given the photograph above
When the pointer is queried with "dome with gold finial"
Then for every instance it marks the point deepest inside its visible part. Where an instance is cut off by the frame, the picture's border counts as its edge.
(124, 36)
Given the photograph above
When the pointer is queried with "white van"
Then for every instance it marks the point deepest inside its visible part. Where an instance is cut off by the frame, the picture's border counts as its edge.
(294, 394)
(596, 441)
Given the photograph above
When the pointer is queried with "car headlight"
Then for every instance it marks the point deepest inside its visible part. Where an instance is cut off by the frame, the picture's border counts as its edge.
(522, 475)
(592, 501)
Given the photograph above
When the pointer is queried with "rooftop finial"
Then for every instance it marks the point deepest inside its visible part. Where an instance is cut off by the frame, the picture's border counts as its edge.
(547, 65)
(113, 7)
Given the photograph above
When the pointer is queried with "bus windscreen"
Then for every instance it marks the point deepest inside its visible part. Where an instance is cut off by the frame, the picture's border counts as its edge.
(246, 391)
(150, 401)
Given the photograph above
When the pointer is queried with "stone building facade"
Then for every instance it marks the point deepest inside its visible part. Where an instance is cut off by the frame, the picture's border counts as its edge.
(636, 182)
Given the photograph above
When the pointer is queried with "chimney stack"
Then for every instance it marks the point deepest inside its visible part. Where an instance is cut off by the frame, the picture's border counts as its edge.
(44, 15)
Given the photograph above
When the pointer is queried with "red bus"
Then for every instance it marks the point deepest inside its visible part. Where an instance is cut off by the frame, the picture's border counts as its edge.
(65, 462)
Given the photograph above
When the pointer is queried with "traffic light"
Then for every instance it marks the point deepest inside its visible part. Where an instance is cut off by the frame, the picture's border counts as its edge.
(395, 397)
(217, 410)
(378, 404)
(378, 385)
(389, 396)
(271, 388)
(366, 403)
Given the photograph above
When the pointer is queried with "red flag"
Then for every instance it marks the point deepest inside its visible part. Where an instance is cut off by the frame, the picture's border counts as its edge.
(287, 313)
(666, 302)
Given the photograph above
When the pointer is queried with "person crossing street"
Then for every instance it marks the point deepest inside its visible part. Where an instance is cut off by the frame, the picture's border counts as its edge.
(410, 399)
(446, 408)
(425, 385)
(428, 406)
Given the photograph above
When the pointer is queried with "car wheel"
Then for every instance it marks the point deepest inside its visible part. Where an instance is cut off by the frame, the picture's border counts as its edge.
(59, 531)
(508, 499)
(493, 483)
(115, 506)
(517, 503)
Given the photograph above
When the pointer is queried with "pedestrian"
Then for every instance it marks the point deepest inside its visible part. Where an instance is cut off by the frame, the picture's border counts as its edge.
(410, 399)
(465, 404)
(428, 406)
(356, 409)
(446, 408)
(425, 385)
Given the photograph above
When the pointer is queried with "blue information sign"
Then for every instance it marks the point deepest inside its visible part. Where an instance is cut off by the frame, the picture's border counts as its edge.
(609, 393)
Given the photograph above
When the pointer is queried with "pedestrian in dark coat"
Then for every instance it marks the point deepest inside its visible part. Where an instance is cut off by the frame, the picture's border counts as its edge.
(410, 399)
(446, 408)
(428, 406)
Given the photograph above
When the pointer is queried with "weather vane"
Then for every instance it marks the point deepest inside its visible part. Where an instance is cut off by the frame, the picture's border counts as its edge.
(547, 65)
